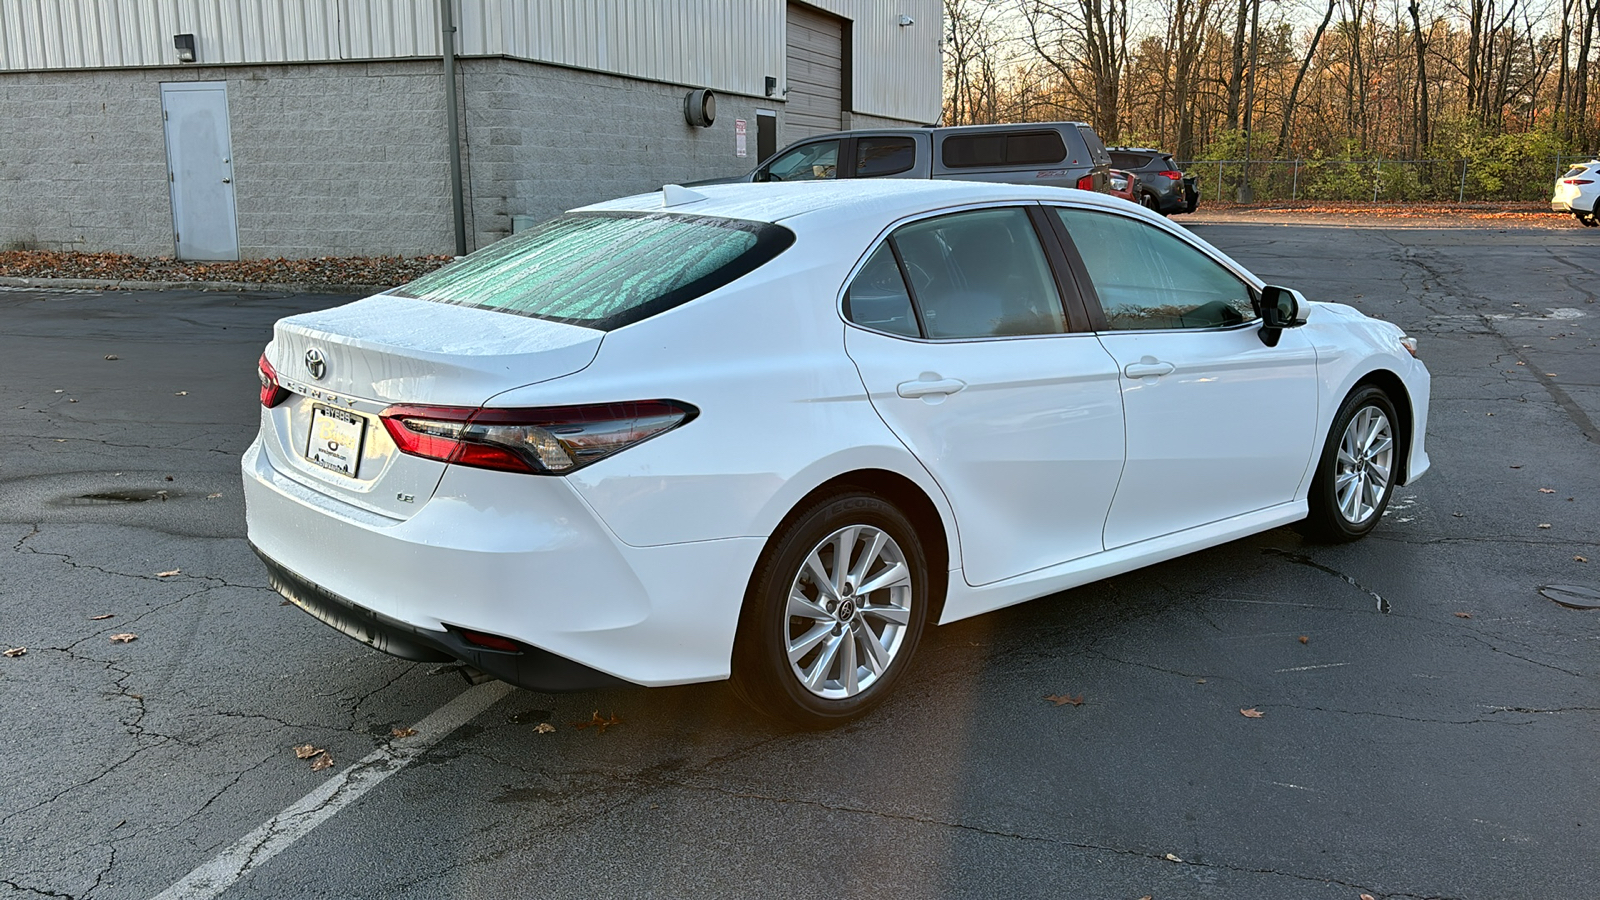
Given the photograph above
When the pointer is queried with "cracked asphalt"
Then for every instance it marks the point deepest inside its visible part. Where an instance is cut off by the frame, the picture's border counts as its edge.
(1444, 748)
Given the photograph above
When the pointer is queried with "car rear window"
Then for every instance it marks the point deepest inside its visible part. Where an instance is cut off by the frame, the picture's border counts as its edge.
(604, 270)
(1028, 148)
(1129, 160)
(1575, 171)
(878, 156)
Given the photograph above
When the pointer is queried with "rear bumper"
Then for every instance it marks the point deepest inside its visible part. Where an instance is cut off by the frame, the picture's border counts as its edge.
(518, 556)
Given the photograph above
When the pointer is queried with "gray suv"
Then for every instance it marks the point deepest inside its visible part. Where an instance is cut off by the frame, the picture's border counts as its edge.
(1064, 154)
(1158, 184)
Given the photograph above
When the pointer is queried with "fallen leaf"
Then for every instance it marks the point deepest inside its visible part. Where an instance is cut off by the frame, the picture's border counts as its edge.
(1199, 681)
(1368, 897)
(1064, 698)
(322, 762)
(169, 574)
(127, 637)
(17, 651)
(169, 477)
(1252, 713)
(1516, 467)
(60, 390)
(544, 728)
(403, 732)
(306, 751)
(1549, 374)
(181, 394)
(111, 356)
(600, 724)
(1544, 524)
(1173, 857)
(1580, 559)
(1304, 639)
(72, 400)
(101, 618)
(1463, 615)
(1521, 363)
(1547, 490)
(213, 496)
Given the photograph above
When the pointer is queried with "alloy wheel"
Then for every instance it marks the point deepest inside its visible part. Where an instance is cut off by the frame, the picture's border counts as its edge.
(849, 609)
(1364, 465)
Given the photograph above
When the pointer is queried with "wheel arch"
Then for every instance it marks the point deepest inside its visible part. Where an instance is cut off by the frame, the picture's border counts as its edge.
(1395, 388)
(903, 493)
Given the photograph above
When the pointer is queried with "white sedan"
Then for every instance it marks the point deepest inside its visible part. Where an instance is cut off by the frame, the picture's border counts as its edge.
(772, 432)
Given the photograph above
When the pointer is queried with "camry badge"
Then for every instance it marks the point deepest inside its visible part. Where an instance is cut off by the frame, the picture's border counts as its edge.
(315, 364)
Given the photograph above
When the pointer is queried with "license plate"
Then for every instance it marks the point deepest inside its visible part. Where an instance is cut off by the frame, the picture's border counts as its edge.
(335, 441)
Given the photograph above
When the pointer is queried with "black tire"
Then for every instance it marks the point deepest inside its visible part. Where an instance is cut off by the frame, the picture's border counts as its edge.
(763, 675)
(1338, 519)
(1589, 219)
(1149, 201)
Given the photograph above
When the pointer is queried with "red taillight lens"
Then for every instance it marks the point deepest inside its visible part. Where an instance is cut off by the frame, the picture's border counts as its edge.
(544, 441)
(1086, 183)
(1577, 181)
(271, 392)
(1175, 176)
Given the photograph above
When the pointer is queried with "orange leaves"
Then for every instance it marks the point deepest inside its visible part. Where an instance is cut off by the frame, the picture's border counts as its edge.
(1062, 699)
(320, 758)
(1252, 713)
(306, 751)
(402, 732)
(127, 637)
(596, 722)
(1463, 615)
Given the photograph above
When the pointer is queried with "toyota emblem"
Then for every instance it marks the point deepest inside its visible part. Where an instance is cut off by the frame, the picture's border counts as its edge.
(315, 364)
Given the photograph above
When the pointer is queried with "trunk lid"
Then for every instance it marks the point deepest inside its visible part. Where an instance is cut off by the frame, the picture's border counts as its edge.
(344, 366)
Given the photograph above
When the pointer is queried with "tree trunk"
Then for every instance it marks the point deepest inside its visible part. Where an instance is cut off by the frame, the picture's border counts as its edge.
(1422, 133)
(1294, 92)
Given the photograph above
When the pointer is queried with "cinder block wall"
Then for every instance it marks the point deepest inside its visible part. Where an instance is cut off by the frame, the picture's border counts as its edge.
(343, 159)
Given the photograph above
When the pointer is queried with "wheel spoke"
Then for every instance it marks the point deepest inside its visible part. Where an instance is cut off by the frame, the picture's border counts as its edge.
(803, 607)
(799, 648)
(892, 614)
(1378, 474)
(859, 570)
(877, 657)
(1348, 498)
(1382, 446)
(1345, 458)
(894, 576)
(824, 662)
(844, 544)
(820, 577)
(848, 677)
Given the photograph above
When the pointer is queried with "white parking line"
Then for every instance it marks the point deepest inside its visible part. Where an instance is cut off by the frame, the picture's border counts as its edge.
(213, 877)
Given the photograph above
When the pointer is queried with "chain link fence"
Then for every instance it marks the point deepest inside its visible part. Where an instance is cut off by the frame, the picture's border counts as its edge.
(1374, 180)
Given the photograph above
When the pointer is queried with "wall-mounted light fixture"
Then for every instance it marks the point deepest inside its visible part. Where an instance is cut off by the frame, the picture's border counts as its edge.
(700, 108)
(185, 45)
(772, 86)
(906, 20)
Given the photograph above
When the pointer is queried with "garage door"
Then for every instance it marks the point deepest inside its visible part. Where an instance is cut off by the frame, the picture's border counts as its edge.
(815, 74)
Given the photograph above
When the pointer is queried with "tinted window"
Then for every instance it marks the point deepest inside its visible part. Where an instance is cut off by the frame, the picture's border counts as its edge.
(876, 156)
(878, 299)
(807, 162)
(980, 274)
(1032, 148)
(604, 270)
(1128, 160)
(1147, 278)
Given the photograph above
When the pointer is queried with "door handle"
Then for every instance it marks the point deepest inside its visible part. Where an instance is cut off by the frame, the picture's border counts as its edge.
(929, 387)
(1146, 367)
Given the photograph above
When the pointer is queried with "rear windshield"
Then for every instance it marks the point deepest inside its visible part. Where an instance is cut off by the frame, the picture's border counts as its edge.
(1575, 171)
(1129, 160)
(604, 270)
(1031, 148)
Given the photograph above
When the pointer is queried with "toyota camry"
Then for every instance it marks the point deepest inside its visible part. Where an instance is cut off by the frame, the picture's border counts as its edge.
(773, 433)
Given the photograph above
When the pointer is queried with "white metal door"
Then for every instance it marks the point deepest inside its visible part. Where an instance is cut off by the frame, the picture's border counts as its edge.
(200, 169)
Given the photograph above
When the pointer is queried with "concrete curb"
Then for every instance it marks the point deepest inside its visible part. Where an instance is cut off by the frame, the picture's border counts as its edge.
(119, 285)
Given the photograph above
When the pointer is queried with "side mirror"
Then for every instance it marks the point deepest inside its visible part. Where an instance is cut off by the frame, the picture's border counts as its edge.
(1279, 308)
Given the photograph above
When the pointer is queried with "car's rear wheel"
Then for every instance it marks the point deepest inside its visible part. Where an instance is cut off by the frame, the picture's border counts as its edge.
(1356, 474)
(834, 613)
(1149, 201)
(1588, 219)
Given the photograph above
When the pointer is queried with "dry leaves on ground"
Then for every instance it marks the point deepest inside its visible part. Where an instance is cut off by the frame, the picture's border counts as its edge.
(544, 728)
(1305, 639)
(169, 574)
(600, 724)
(1580, 559)
(306, 751)
(1173, 857)
(360, 270)
(1463, 615)
(1368, 897)
(1061, 699)
(1547, 490)
(212, 496)
(112, 356)
(1252, 713)
(102, 618)
(127, 637)
(1544, 524)
(17, 651)
(402, 732)
(322, 762)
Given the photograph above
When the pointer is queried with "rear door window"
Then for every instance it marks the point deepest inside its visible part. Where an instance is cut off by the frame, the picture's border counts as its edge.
(1097, 149)
(604, 270)
(880, 156)
(1027, 148)
(808, 162)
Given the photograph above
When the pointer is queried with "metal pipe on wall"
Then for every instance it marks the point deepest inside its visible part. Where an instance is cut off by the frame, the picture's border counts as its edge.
(453, 124)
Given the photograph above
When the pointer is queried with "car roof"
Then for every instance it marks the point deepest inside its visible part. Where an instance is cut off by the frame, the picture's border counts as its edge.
(1138, 150)
(941, 129)
(880, 199)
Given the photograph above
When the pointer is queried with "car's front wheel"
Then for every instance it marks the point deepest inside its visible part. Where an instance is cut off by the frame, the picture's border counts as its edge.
(1356, 474)
(834, 612)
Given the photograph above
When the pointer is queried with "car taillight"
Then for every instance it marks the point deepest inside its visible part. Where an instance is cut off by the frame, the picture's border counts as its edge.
(272, 393)
(1577, 181)
(543, 441)
(1175, 176)
(1086, 183)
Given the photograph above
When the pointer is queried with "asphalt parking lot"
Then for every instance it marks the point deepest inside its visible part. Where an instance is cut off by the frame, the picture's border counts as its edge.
(1428, 717)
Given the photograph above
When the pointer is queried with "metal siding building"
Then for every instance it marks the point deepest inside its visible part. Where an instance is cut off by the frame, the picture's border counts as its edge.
(329, 114)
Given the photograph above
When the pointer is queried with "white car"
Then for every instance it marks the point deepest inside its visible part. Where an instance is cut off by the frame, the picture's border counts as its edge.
(1577, 191)
(772, 432)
